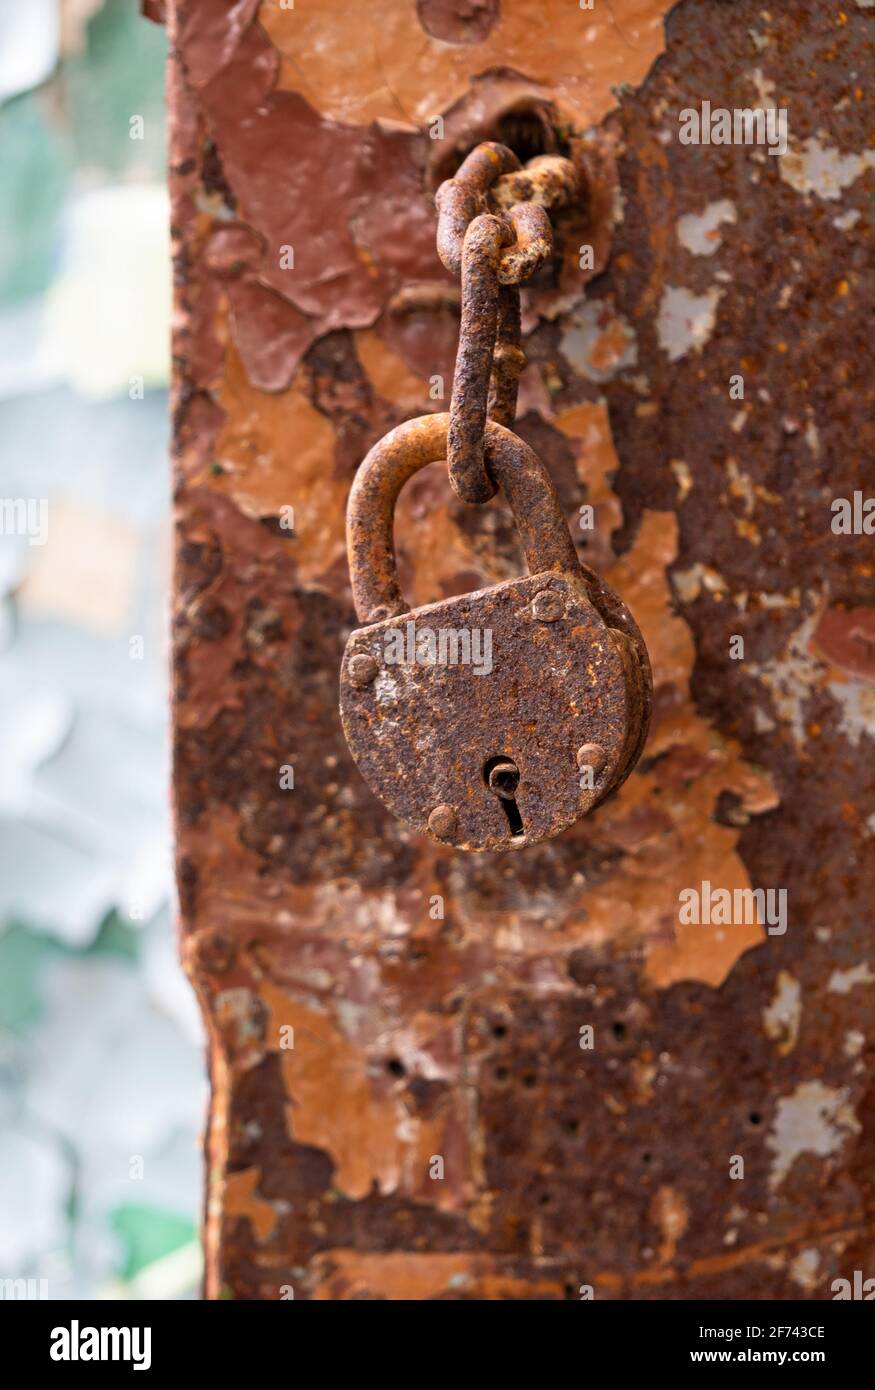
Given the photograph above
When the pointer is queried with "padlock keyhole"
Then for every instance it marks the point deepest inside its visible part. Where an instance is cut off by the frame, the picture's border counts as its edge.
(502, 777)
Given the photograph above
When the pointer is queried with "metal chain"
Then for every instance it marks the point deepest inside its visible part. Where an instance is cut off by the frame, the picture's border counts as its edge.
(494, 231)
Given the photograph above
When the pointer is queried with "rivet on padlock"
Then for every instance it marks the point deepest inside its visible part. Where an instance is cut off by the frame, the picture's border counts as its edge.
(505, 757)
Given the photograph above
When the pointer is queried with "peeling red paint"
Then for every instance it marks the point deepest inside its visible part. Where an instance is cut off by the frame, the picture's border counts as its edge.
(846, 637)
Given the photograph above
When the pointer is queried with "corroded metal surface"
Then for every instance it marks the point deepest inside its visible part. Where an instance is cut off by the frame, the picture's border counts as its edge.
(480, 359)
(436, 1000)
(508, 359)
(491, 177)
(427, 733)
(547, 674)
(463, 197)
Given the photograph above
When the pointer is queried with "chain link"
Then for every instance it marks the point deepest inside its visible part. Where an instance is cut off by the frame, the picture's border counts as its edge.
(494, 231)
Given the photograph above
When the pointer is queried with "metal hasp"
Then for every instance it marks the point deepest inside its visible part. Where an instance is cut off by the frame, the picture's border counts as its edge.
(496, 719)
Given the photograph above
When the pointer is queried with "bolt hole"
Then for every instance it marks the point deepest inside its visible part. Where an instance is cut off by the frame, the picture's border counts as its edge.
(458, 24)
(528, 125)
(499, 1031)
(646, 1158)
(527, 131)
(396, 1067)
(619, 1030)
(755, 1117)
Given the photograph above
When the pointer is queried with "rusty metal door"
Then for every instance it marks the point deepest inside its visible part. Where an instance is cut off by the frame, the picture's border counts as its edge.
(635, 1060)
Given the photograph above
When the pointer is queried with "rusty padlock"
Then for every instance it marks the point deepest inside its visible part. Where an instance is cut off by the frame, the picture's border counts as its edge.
(494, 719)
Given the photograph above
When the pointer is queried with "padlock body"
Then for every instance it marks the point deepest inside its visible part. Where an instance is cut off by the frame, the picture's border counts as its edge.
(498, 673)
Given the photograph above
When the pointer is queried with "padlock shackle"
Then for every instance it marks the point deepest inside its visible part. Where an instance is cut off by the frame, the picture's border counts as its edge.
(370, 514)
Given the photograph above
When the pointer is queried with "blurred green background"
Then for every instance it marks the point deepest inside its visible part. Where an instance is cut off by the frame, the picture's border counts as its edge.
(102, 1088)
